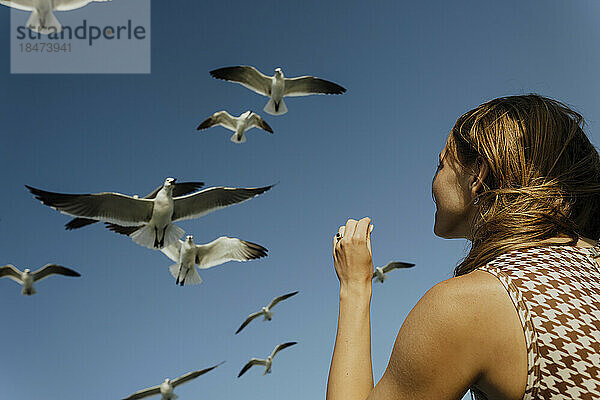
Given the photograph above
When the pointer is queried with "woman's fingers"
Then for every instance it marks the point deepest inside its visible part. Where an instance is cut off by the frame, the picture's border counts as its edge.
(350, 227)
(362, 227)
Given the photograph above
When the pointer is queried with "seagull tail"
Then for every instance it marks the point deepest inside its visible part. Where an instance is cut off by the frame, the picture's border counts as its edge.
(145, 236)
(46, 25)
(275, 109)
(172, 234)
(234, 138)
(28, 291)
(192, 278)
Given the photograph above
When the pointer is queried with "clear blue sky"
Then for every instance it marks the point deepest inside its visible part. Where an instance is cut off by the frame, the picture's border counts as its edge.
(411, 68)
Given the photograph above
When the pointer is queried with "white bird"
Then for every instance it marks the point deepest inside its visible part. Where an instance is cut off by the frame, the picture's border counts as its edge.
(148, 221)
(187, 254)
(27, 278)
(166, 388)
(265, 311)
(268, 361)
(380, 272)
(42, 19)
(276, 87)
(180, 189)
(239, 125)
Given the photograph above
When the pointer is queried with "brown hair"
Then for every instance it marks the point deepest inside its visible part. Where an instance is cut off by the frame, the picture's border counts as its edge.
(543, 180)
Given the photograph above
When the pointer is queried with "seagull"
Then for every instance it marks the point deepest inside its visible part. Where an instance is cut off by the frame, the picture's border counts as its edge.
(187, 254)
(152, 218)
(42, 20)
(165, 389)
(276, 87)
(239, 125)
(268, 362)
(266, 311)
(380, 272)
(27, 278)
(180, 189)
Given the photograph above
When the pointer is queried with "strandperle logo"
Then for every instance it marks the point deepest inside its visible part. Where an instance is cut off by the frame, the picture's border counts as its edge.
(80, 36)
(85, 31)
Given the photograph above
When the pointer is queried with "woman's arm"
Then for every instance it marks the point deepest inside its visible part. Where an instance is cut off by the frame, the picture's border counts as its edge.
(350, 374)
(442, 348)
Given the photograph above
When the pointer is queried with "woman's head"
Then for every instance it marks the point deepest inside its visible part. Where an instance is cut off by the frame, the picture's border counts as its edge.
(532, 171)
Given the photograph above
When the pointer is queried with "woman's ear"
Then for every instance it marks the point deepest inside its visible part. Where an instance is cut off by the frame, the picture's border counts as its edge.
(481, 172)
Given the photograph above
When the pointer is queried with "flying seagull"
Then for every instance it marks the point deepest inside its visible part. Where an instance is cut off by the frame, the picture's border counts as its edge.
(276, 87)
(380, 272)
(180, 189)
(239, 125)
(166, 388)
(187, 254)
(27, 278)
(152, 218)
(265, 311)
(268, 362)
(42, 20)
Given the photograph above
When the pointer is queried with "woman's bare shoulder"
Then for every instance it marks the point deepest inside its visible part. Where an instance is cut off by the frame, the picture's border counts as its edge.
(487, 316)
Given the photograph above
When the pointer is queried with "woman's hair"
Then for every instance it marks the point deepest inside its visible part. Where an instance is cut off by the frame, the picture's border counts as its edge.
(543, 180)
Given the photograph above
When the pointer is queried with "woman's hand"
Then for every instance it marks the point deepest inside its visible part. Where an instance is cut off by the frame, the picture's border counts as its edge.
(352, 255)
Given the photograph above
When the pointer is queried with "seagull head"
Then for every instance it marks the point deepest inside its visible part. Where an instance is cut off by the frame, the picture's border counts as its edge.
(189, 239)
(169, 183)
(26, 271)
(278, 72)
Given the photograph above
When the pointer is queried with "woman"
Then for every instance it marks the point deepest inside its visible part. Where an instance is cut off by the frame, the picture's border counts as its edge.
(520, 180)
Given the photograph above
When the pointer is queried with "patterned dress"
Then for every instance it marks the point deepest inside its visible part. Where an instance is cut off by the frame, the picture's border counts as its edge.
(556, 291)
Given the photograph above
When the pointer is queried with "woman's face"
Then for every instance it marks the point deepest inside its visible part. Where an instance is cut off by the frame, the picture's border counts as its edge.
(453, 199)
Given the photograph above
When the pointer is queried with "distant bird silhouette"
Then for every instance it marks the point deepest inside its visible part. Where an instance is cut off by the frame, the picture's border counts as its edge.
(266, 362)
(276, 87)
(265, 311)
(166, 388)
(380, 272)
(239, 125)
(27, 278)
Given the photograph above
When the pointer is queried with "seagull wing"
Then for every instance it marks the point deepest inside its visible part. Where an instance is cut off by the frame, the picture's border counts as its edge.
(208, 200)
(306, 85)
(257, 121)
(396, 264)
(247, 321)
(11, 272)
(25, 5)
(222, 118)
(225, 249)
(281, 347)
(108, 207)
(50, 269)
(173, 250)
(246, 75)
(144, 393)
(192, 375)
(179, 189)
(123, 230)
(68, 5)
(254, 361)
(77, 223)
(281, 298)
